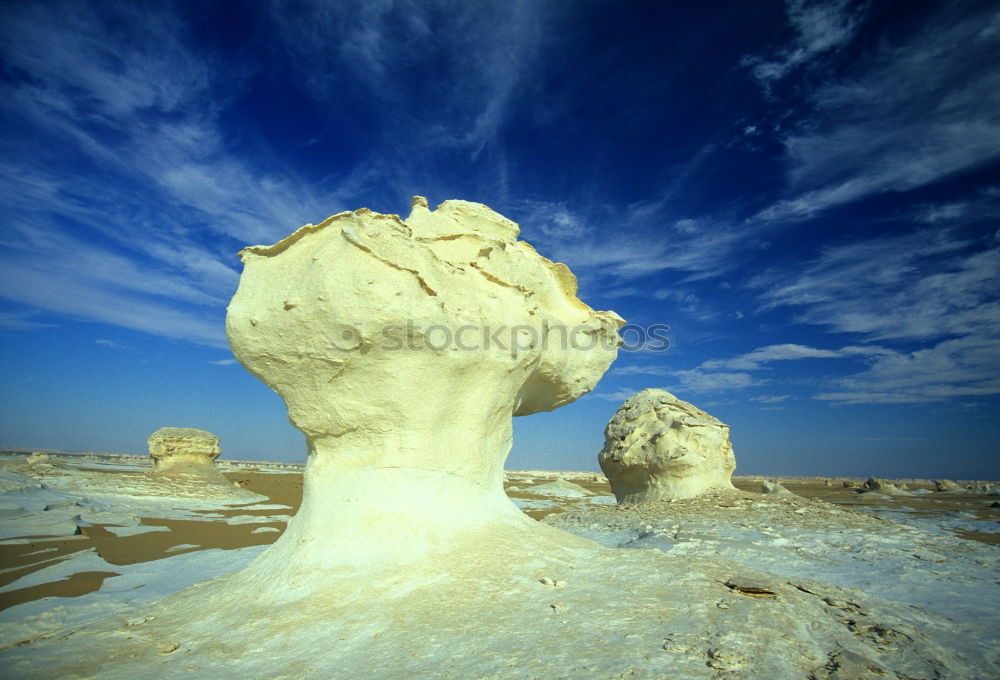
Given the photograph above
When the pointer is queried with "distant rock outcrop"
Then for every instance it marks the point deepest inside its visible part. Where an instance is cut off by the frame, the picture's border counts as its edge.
(774, 487)
(182, 447)
(883, 486)
(946, 485)
(658, 447)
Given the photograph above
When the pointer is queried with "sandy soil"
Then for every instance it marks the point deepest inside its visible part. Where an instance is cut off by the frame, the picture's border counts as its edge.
(19, 559)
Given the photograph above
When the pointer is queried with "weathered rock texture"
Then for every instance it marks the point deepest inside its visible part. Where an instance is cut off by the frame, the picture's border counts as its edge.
(774, 487)
(401, 349)
(406, 559)
(658, 447)
(883, 486)
(173, 447)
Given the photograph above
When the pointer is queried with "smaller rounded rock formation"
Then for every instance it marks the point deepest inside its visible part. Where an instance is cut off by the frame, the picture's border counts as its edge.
(659, 448)
(172, 448)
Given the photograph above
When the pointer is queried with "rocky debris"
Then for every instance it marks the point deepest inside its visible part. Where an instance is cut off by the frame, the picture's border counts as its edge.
(37, 457)
(882, 486)
(850, 484)
(946, 485)
(174, 447)
(560, 488)
(774, 487)
(658, 447)
(797, 538)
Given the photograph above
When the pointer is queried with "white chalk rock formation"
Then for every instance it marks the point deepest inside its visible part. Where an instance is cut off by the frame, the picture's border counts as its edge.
(402, 349)
(773, 486)
(173, 447)
(658, 447)
(406, 560)
(874, 484)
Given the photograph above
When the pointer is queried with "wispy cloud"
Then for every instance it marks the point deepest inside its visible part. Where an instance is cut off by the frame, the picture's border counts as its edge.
(484, 53)
(591, 239)
(920, 109)
(691, 380)
(918, 286)
(20, 321)
(936, 288)
(962, 367)
(110, 344)
(617, 395)
(698, 380)
(760, 357)
(945, 212)
(67, 294)
(123, 199)
(819, 28)
(223, 362)
(771, 399)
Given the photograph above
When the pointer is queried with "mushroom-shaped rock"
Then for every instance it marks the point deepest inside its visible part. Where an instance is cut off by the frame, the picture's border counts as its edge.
(401, 350)
(658, 447)
(175, 447)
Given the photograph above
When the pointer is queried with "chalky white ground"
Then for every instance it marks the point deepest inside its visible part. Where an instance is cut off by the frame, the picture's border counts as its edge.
(852, 588)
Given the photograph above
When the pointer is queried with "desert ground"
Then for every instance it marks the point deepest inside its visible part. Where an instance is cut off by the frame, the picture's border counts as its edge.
(86, 537)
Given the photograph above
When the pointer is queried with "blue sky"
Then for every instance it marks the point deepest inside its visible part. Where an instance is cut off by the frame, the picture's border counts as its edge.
(807, 193)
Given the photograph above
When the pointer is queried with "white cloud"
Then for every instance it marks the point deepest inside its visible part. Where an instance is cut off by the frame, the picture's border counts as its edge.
(918, 110)
(63, 293)
(223, 362)
(774, 399)
(691, 380)
(120, 184)
(943, 212)
(110, 344)
(617, 395)
(485, 54)
(916, 286)
(819, 28)
(20, 321)
(641, 370)
(697, 380)
(754, 360)
(654, 242)
(962, 367)
(930, 287)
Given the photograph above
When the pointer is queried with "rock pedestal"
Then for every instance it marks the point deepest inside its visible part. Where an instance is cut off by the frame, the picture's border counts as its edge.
(175, 447)
(658, 448)
(402, 349)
